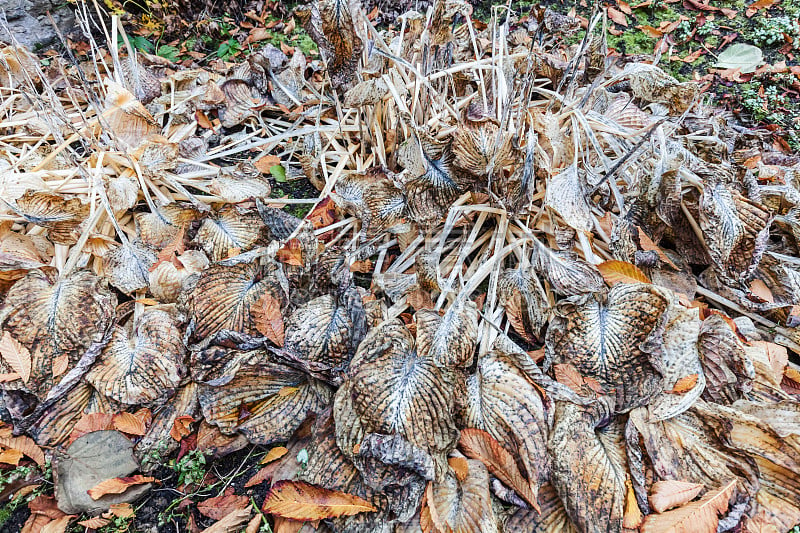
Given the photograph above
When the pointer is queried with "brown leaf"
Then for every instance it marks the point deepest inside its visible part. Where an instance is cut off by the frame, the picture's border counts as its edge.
(287, 525)
(90, 422)
(181, 427)
(16, 356)
(231, 523)
(758, 5)
(701, 516)
(264, 164)
(633, 515)
(460, 505)
(95, 523)
(479, 445)
(302, 501)
(128, 423)
(25, 445)
(684, 384)
(219, 507)
(275, 453)
(11, 456)
(122, 510)
(459, 466)
(617, 16)
(268, 318)
(117, 485)
(621, 272)
(665, 495)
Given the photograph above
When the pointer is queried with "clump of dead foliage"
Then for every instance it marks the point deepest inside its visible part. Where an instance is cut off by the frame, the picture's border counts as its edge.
(539, 290)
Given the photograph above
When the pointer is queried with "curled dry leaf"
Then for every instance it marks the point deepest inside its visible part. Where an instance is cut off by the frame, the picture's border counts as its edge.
(374, 199)
(321, 331)
(61, 215)
(117, 485)
(568, 274)
(128, 266)
(665, 495)
(227, 230)
(302, 501)
(449, 340)
(144, 365)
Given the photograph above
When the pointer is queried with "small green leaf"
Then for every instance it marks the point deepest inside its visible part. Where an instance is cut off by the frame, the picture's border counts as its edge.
(278, 172)
(168, 52)
(745, 57)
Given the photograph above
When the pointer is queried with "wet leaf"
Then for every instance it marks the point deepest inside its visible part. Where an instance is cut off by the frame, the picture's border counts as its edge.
(396, 408)
(302, 501)
(268, 319)
(588, 477)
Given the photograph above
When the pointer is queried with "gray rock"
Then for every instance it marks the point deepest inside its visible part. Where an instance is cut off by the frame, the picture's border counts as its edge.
(92, 458)
(27, 21)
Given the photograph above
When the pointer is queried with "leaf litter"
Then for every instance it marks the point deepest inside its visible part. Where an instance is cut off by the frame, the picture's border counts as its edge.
(539, 288)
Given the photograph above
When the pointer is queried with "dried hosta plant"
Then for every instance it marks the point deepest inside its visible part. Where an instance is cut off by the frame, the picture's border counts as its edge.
(564, 268)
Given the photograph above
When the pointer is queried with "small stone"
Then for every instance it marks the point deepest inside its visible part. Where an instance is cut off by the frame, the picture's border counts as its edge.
(92, 458)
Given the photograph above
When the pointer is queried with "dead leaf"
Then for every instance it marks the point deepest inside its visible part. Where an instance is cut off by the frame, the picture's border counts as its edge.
(664, 495)
(275, 453)
(701, 516)
(684, 384)
(617, 16)
(758, 5)
(231, 523)
(268, 318)
(621, 272)
(181, 427)
(221, 506)
(117, 485)
(302, 501)
(16, 356)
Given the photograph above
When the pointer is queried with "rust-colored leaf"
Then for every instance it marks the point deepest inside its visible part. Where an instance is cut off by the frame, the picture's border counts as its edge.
(129, 423)
(219, 507)
(302, 501)
(685, 384)
(117, 485)
(480, 445)
(95, 523)
(459, 466)
(617, 16)
(268, 318)
(25, 445)
(181, 427)
(757, 6)
(264, 164)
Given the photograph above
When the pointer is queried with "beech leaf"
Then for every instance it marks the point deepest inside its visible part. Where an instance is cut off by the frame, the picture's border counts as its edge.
(299, 500)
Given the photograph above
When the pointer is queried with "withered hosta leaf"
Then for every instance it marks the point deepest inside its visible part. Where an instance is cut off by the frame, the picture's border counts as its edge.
(735, 228)
(128, 266)
(589, 478)
(701, 516)
(770, 435)
(478, 444)
(396, 408)
(482, 150)
(607, 341)
(224, 296)
(330, 24)
(51, 317)
(241, 101)
(261, 399)
(685, 447)
(143, 365)
(463, 505)
(449, 340)
(160, 228)
(329, 468)
(524, 300)
(374, 199)
(59, 420)
(503, 402)
(568, 274)
(551, 517)
(128, 119)
(729, 371)
(62, 216)
(229, 232)
(320, 331)
(566, 195)
(680, 360)
(431, 185)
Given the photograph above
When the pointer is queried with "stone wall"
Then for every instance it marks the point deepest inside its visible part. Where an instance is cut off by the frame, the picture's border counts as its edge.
(27, 21)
